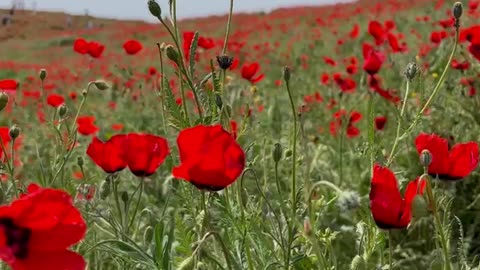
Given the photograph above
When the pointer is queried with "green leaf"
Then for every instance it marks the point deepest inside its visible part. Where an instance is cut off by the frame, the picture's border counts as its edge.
(193, 52)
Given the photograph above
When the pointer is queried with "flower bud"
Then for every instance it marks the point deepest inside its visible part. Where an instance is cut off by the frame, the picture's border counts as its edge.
(224, 61)
(419, 206)
(62, 110)
(457, 10)
(80, 161)
(172, 54)
(425, 158)
(287, 73)
(358, 263)
(218, 101)
(155, 9)
(3, 100)
(42, 74)
(84, 92)
(411, 71)
(288, 153)
(14, 132)
(101, 85)
(124, 197)
(105, 189)
(277, 152)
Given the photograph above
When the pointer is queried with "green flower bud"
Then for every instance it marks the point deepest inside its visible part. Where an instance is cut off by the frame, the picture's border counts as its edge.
(43, 74)
(457, 10)
(277, 152)
(288, 153)
(218, 101)
(124, 197)
(155, 9)
(80, 161)
(148, 235)
(3, 100)
(411, 71)
(425, 158)
(172, 53)
(14, 132)
(105, 189)
(62, 110)
(287, 73)
(101, 85)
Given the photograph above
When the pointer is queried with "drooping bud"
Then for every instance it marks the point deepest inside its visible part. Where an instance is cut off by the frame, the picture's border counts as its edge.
(105, 189)
(277, 152)
(457, 10)
(42, 74)
(101, 85)
(419, 206)
(287, 73)
(224, 61)
(425, 158)
(411, 71)
(3, 100)
(62, 110)
(148, 235)
(14, 132)
(155, 9)
(358, 263)
(172, 54)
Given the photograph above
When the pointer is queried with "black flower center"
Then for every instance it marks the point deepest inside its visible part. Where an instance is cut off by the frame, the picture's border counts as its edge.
(17, 237)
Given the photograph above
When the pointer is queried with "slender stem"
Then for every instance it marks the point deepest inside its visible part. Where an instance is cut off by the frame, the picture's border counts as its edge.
(81, 105)
(117, 201)
(399, 125)
(227, 32)
(162, 92)
(12, 168)
(184, 101)
(390, 247)
(142, 184)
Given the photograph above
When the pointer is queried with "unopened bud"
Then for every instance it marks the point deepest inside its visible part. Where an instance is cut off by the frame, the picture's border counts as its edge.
(105, 189)
(148, 235)
(14, 132)
(80, 161)
(224, 61)
(155, 9)
(411, 71)
(218, 101)
(419, 206)
(84, 92)
(62, 110)
(172, 53)
(124, 197)
(287, 72)
(101, 85)
(277, 152)
(358, 263)
(457, 10)
(3, 100)
(288, 153)
(42, 74)
(425, 158)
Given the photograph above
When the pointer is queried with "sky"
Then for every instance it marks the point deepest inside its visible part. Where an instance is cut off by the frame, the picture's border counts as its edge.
(137, 9)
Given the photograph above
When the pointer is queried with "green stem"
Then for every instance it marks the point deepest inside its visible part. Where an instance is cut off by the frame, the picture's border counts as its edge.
(227, 32)
(399, 125)
(12, 168)
(142, 184)
(390, 247)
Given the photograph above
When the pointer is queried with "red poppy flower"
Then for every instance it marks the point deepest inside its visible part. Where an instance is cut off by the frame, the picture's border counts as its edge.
(95, 49)
(80, 46)
(376, 30)
(145, 153)
(206, 43)
(109, 155)
(132, 47)
(8, 84)
(460, 65)
(86, 125)
(453, 164)
(380, 122)
(373, 62)
(55, 100)
(249, 72)
(210, 157)
(389, 209)
(37, 230)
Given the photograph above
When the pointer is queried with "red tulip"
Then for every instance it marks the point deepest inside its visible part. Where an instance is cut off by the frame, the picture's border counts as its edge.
(132, 47)
(249, 72)
(389, 209)
(80, 46)
(109, 155)
(453, 164)
(55, 100)
(210, 157)
(145, 153)
(37, 229)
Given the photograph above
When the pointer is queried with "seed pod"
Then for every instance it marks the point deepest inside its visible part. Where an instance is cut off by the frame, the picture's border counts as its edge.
(425, 158)
(14, 132)
(42, 74)
(411, 71)
(155, 9)
(457, 10)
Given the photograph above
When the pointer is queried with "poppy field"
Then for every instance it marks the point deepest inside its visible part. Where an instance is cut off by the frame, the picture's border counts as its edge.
(330, 137)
